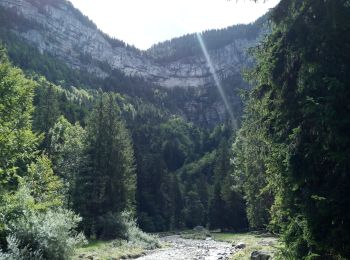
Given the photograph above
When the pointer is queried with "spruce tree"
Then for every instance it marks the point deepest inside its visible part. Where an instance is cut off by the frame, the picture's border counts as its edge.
(249, 157)
(108, 180)
(46, 109)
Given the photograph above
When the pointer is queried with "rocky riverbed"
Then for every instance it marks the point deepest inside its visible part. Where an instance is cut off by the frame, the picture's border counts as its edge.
(180, 249)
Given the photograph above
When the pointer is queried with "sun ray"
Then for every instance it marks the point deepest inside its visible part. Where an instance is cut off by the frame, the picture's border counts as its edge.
(216, 79)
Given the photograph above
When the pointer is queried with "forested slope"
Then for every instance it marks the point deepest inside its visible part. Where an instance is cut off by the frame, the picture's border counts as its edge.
(292, 153)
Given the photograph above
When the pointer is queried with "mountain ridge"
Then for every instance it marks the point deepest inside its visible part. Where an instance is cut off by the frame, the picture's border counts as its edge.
(66, 33)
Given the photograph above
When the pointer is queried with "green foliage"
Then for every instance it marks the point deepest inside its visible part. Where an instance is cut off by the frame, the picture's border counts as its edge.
(216, 209)
(227, 207)
(194, 210)
(66, 147)
(50, 233)
(122, 225)
(32, 223)
(300, 106)
(176, 157)
(175, 193)
(32, 229)
(17, 141)
(254, 241)
(188, 45)
(47, 108)
(178, 142)
(135, 235)
(111, 226)
(107, 183)
(161, 150)
(249, 158)
(45, 187)
(14, 251)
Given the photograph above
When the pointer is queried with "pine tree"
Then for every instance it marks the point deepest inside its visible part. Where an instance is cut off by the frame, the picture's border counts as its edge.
(46, 109)
(217, 209)
(108, 180)
(249, 157)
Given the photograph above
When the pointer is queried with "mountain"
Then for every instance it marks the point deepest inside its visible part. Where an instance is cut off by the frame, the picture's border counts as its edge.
(57, 28)
(52, 38)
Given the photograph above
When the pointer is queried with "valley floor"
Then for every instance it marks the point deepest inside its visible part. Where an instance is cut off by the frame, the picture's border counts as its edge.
(177, 247)
(182, 249)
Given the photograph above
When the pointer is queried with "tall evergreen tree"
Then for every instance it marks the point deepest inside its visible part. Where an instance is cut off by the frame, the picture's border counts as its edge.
(108, 180)
(217, 209)
(46, 109)
(249, 158)
(227, 207)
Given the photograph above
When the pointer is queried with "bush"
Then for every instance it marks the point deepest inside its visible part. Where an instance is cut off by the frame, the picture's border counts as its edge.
(51, 233)
(111, 226)
(14, 252)
(32, 232)
(123, 226)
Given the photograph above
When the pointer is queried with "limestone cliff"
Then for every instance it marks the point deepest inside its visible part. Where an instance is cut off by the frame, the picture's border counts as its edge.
(56, 27)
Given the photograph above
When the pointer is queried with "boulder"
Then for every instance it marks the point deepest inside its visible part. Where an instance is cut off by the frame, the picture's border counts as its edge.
(240, 245)
(260, 255)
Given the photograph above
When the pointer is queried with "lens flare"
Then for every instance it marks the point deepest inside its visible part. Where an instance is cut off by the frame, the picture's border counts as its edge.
(216, 79)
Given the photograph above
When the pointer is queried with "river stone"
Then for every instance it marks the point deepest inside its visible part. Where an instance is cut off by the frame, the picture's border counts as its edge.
(240, 245)
(260, 255)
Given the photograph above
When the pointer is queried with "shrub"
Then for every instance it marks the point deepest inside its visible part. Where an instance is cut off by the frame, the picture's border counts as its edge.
(123, 226)
(111, 226)
(51, 233)
(135, 235)
(32, 231)
(14, 252)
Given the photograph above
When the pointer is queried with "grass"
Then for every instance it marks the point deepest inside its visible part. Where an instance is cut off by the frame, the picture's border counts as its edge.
(135, 242)
(137, 245)
(253, 242)
(108, 250)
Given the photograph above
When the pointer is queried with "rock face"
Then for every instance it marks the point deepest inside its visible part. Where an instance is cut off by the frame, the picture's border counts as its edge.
(56, 27)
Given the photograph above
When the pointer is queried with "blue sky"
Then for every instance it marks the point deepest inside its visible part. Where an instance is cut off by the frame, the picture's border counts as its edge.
(143, 23)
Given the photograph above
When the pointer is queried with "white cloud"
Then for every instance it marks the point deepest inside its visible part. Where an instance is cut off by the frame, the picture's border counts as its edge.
(146, 22)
